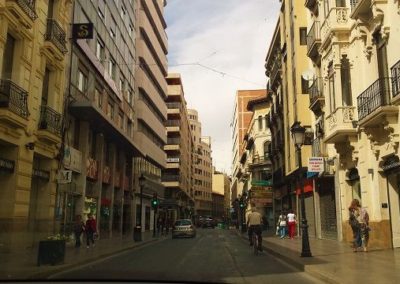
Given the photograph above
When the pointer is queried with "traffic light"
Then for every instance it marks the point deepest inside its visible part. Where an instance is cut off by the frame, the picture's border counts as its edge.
(154, 201)
(241, 204)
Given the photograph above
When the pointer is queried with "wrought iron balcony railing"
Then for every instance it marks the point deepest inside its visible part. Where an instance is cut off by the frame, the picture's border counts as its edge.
(316, 91)
(313, 37)
(50, 120)
(14, 98)
(28, 6)
(375, 96)
(56, 35)
(396, 79)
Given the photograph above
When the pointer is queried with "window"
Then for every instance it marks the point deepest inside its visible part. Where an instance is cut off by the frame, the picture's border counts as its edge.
(101, 9)
(123, 12)
(98, 97)
(121, 120)
(130, 29)
(45, 86)
(304, 85)
(121, 84)
(8, 59)
(340, 3)
(112, 68)
(113, 32)
(100, 49)
(110, 109)
(260, 123)
(303, 36)
(346, 81)
(82, 81)
(130, 96)
(331, 76)
(129, 128)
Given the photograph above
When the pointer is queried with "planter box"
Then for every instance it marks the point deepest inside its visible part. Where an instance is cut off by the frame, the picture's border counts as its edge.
(51, 252)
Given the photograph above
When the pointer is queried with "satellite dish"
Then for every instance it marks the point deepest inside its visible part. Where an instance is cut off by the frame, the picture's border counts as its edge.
(308, 74)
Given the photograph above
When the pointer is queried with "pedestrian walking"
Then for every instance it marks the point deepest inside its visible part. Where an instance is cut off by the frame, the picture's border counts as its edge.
(291, 223)
(282, 223)
(359, 222)
(159, 225)
(167, 225)
(91, 229)
(79, 228)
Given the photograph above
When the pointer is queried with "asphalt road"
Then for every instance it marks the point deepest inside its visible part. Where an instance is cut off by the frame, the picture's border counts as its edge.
(213, 256)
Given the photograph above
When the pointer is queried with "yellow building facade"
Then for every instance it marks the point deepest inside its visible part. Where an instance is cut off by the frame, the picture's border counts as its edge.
(33, 47)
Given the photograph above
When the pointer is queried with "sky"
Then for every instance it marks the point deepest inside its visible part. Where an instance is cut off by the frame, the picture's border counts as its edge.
(218, 47)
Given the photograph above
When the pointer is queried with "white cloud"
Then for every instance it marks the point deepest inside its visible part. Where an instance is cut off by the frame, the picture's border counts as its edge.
(231, 36)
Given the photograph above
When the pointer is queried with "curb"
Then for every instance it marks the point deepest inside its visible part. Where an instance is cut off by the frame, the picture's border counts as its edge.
(309, 269)
(70, 266)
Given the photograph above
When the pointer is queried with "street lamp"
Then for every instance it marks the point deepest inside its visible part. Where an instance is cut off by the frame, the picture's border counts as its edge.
(298, 135)
(137, 233)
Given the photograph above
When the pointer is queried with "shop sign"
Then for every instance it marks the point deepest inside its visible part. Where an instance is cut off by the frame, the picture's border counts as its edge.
(91, 168)
(391, 163)
(172, 160)
(262, 201)
(316, 164)
(45, 175)
(72, 159)
(64, 177)
(261, 182)
(7, 165)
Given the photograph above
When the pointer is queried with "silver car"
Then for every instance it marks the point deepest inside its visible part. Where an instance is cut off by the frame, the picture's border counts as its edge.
(183, 228)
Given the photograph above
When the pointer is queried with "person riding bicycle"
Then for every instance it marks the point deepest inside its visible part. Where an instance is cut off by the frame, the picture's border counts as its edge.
(254, 221)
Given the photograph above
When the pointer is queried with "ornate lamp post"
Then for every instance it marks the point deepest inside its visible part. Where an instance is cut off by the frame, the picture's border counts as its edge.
(298, 134)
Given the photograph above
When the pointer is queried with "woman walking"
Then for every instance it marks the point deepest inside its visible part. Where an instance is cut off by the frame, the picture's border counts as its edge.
(359, 221)
(282, 225)
(291, 221)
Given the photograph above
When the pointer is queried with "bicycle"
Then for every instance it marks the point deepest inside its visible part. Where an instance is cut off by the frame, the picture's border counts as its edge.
(255, 243)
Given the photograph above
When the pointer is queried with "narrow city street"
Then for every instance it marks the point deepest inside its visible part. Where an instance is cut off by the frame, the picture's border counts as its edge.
(213, 256)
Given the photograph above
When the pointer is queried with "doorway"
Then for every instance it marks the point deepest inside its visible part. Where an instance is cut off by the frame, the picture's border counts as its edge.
(394, 197)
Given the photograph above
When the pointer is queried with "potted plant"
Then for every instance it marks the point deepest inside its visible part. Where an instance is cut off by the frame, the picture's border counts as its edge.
(52, 250)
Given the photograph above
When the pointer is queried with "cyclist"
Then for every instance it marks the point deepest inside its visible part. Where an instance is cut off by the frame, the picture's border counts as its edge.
(254, 221)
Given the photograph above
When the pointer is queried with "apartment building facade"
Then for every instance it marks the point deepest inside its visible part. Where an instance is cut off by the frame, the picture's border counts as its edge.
(33, 47)
(221, 185)
(359, 66)
(255, 162)
(240, 121)
(202, 176)
(177, 176)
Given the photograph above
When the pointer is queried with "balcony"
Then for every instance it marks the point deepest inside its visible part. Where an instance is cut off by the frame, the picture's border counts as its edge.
(374, 103)
(13, 104)
(55, 35)
(171, 180)
(316, 95)
(260, 161)
(50, 124)
(340, 124)
(361, 7)
(314, 41)
(173, 125)
(22, 10)
(396, 80)
(336, 21)
(311, 5)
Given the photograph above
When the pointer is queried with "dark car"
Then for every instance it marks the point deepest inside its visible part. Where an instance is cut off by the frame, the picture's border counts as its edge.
(208, 223)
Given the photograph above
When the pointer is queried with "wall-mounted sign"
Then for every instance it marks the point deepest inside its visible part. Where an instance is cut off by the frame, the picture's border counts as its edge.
(82, 31)
(91, 168)
(64, 177)
(261, 182)
(7, 165)
(72, 159)
(41, 174)
(316, 164)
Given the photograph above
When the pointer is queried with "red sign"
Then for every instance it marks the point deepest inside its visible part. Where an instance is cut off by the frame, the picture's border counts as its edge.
(308, 187)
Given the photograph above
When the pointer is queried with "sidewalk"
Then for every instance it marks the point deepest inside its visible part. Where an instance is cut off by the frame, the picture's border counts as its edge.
(335, 262)
(23, 264)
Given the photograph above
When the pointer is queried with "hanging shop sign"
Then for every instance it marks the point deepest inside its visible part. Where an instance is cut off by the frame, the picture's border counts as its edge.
(261, 182)
(91, 168)
(41, 174)
(72, 159)
(82, 31)
(7, 165)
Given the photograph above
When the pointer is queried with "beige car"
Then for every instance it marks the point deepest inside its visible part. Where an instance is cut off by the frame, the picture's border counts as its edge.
(183, 228)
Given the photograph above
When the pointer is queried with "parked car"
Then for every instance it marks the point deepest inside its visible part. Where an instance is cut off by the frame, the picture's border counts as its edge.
(183, 228)
(208, 223)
